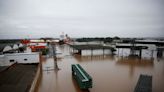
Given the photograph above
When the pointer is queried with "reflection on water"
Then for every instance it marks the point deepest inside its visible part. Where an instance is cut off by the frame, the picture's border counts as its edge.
(93, 58)
(134, 63)
(109, 73)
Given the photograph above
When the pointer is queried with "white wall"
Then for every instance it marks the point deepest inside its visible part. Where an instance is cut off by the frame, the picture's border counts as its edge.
(28, 50)
(4, 61)
(95, 52)
(25, 58)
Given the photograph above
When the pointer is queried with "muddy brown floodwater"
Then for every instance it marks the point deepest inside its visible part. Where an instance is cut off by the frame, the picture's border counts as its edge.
(109, 73)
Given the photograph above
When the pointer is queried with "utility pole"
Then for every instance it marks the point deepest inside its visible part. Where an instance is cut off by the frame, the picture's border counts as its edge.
(54, 56)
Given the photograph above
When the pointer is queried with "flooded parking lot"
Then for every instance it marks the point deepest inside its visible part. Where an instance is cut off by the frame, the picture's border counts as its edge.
(109, 73)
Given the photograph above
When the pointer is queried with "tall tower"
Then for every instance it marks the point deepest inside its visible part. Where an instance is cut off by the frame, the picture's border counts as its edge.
(62, 36)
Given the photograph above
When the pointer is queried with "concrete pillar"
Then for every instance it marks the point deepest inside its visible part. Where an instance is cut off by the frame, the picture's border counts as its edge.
(73, 51)
(140, 54)
(91, 52)
(159, 53)
(79, 52)
(118, 51)
(152, 52)
(122, 52)
(103, 51)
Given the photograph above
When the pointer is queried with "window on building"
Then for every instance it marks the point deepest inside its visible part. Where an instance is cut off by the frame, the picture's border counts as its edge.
(25, 59)
(12, 60)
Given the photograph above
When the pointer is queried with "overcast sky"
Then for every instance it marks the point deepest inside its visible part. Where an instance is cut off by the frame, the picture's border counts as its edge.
(81, 18)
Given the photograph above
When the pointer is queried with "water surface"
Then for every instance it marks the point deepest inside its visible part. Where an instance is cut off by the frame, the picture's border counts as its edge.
(109, 73)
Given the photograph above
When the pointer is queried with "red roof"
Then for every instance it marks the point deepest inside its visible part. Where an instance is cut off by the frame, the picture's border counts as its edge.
(25, 41)
(34, 48)
(37, 47)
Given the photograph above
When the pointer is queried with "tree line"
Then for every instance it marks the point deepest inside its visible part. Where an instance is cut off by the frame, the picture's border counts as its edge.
(104, 39)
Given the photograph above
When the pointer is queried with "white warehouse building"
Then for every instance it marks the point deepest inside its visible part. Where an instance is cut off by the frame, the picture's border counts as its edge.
(24, 58)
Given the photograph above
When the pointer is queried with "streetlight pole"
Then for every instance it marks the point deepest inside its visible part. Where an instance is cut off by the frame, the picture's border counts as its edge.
(54, 56)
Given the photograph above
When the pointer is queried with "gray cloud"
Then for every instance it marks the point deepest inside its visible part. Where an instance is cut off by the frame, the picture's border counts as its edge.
(81, 18)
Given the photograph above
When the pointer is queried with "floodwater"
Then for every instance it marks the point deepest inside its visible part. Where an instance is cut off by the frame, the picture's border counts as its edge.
(109, 73)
